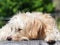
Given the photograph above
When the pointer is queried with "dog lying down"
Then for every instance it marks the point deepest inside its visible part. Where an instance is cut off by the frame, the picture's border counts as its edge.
(29, 26)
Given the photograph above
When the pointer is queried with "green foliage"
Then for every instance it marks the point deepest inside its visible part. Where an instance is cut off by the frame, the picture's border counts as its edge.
(58, 22)
(10, 7)
(2, 23)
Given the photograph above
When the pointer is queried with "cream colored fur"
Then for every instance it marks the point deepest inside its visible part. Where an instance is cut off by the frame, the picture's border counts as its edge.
(35, 25)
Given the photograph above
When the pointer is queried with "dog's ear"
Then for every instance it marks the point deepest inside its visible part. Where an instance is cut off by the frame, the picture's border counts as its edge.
(37, 25)
(33, 28)
(41, 33)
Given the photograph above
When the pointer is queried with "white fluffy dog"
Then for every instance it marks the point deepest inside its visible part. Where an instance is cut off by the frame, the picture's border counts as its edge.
(28, 26)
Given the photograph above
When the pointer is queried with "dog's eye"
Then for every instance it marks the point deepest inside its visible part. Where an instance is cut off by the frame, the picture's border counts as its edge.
(19, 29)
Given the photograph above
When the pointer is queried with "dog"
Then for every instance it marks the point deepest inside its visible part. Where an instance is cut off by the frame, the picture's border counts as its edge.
(30, 26)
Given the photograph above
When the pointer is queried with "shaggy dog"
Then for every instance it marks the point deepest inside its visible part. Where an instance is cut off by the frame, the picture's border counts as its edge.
(28, 26)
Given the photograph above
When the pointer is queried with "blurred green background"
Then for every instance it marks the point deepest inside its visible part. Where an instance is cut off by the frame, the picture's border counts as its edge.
(9, 7)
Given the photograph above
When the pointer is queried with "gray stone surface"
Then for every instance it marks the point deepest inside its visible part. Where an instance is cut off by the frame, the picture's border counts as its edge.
(33, 42)
(30, 42)
(57, 43)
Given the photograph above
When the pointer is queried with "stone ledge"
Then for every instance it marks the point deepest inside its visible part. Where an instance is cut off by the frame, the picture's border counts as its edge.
(33, 42)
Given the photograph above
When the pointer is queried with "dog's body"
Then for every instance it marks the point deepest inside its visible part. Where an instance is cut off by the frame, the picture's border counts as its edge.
(29, 26)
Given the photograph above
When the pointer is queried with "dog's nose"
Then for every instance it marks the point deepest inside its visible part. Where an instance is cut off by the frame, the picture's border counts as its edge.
(9, 38)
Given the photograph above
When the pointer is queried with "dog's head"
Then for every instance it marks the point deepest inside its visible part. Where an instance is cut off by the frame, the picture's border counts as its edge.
(14, 28)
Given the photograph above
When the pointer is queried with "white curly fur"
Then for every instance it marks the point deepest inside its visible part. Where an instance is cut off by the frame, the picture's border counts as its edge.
(35, 25)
